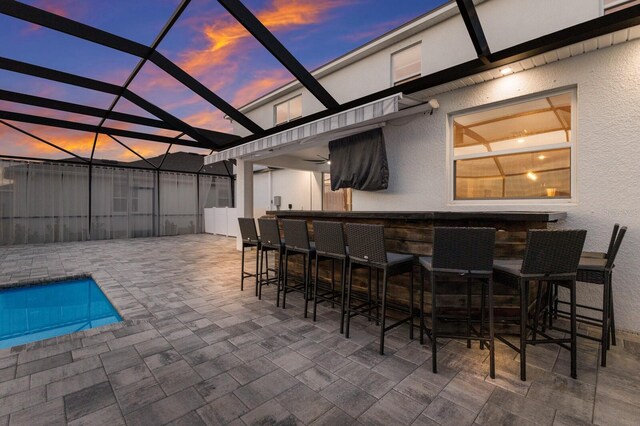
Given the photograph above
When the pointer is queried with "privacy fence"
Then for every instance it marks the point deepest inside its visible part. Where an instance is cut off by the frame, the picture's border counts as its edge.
(44, 202)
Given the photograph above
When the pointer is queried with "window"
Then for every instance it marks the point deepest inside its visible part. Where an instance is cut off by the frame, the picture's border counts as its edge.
(288, 110)
(519, 151)
(611, 6)
(406, 64)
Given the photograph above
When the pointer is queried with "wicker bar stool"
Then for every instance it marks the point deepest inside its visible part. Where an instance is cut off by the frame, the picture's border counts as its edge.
(270, 241)
(250, 239)
(296, 236)
(366, 249)
(554, 301)
(550, 256)
(466, 253)
(603, 254)
(330, 246)
(597, 271)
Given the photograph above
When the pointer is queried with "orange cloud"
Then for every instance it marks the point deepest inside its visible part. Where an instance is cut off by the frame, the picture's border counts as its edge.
(225, 35)
(209, 119)
(227, 44)
(266, 81)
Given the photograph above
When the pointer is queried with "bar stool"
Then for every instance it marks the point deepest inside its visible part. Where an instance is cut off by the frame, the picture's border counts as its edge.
(466, 253)
(549, 256)
(250, 239)
(297, 243)
(599, 271)
(329, 239)
(366, 249)
(270, 241)
(603, 254)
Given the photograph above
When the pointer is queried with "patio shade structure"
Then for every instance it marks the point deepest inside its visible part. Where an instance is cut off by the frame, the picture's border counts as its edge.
(215, 140)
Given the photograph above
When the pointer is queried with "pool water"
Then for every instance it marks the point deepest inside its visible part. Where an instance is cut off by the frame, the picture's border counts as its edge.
(39, 312)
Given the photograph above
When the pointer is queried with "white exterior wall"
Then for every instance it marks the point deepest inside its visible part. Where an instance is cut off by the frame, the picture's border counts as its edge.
(607, 144)
(300, 188)
(505, 22)
(510, 22)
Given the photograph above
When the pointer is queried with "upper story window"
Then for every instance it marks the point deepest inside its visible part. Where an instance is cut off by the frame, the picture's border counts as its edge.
(611, 6)
(406, 64)
(288, 110)
(522, 150)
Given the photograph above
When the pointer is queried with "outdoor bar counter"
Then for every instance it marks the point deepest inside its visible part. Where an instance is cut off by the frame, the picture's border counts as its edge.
(412, 232)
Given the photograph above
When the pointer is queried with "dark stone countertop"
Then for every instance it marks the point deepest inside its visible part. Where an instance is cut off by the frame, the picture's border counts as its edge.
(509, 216)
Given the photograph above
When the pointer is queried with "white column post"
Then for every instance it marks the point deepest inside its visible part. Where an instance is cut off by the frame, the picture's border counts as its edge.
(244, 192)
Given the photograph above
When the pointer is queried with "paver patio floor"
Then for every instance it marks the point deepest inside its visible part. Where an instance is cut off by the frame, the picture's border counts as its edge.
(194, 349)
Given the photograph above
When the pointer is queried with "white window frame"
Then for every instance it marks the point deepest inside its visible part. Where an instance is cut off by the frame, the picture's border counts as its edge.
(412, 77)
(288, 102)
(572, 145)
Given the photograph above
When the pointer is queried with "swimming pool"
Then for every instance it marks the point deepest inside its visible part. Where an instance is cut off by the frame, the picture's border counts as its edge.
(39, 312)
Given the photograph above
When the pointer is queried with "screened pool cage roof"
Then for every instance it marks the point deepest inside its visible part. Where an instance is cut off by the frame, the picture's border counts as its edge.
(83, 80)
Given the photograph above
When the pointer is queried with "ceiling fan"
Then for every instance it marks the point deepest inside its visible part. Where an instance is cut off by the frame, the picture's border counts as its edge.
(321, 160)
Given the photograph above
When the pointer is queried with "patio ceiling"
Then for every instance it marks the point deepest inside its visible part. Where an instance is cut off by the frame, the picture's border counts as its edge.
(165, 74)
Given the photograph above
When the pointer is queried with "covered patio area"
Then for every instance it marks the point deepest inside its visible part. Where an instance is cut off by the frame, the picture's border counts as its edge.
(194, 349)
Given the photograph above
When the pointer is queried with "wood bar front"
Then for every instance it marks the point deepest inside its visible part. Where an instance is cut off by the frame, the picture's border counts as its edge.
(412, 232)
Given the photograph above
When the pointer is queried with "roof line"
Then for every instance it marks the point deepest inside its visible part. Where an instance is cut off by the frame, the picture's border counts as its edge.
(580, 32)
(443, 11)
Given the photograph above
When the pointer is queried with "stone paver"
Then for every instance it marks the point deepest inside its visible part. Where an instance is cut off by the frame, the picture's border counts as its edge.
(193, 350)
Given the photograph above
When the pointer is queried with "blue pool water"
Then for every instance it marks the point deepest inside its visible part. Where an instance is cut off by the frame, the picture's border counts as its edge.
(39, 312)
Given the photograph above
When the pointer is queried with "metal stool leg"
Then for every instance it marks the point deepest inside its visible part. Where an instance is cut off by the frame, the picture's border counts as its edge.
(369, 294)
(422, 327)
(613, 317)
(315, 290)
(306, 258)
(384, 310)
(574, 332)
(524, 314)
(343, 281)
(333, 281)
(242, 271)
(411, 305)
(492, 358)
(468, 312)
(285, 278)
(257, 263)
(280, 266)
(537, 311)
(261, 256)
(434, 349)
(483, 296)
(348, 307)
(606, 303)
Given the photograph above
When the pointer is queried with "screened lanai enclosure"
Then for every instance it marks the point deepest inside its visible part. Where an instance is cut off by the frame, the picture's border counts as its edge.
(44, 202)
(108, 112)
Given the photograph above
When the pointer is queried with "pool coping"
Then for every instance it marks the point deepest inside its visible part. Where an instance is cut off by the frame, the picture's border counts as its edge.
(26, 282)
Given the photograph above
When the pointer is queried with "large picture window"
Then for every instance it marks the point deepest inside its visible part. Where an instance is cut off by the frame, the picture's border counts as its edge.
(522, 150)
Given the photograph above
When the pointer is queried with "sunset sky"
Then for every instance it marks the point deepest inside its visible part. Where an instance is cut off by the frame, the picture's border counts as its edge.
(206, 42)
